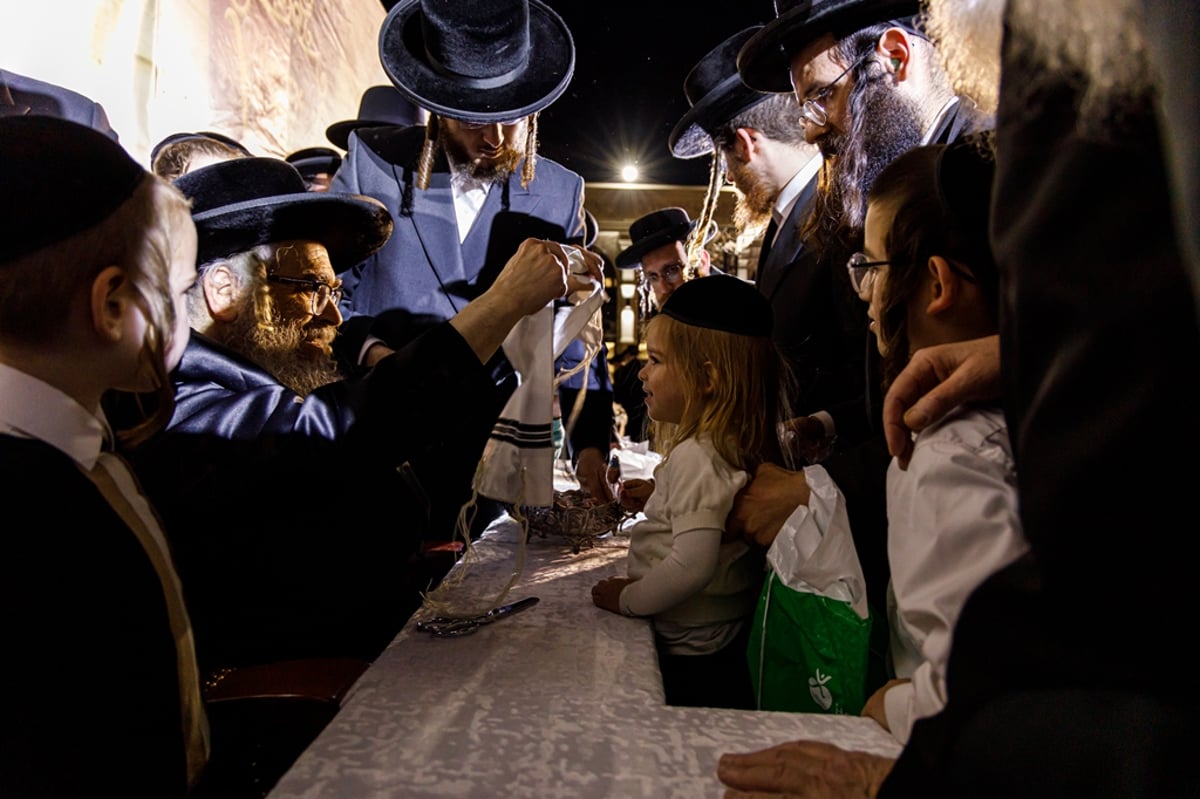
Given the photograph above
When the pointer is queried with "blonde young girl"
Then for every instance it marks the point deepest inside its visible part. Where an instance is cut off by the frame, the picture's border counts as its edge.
(712, 386)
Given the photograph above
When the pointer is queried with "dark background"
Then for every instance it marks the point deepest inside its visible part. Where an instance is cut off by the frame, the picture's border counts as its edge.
(631, 58)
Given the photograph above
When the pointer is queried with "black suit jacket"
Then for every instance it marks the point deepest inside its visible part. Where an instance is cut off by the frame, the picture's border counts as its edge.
(294, 520)
(819, 325)
(89, 671)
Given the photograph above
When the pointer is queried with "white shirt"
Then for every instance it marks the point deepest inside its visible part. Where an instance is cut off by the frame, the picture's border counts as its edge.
(467, 202)
(952, 523)
(35, 409)
(698, 589)
(790, 193)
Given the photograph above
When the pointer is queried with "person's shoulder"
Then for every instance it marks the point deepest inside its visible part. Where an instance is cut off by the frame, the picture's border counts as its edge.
(975, 427)
(552, 171)
(51, 99)
(393, 144)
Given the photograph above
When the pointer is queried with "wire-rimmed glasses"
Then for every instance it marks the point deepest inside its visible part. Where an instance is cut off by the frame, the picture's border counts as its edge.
(669, 274)
(862, 270)
(812, 108)
(321, 294)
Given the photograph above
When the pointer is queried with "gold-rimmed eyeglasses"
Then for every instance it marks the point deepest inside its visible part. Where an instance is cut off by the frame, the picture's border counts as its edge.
(320, 293)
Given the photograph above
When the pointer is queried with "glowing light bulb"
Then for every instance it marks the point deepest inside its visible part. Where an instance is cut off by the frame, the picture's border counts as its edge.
(629, 173)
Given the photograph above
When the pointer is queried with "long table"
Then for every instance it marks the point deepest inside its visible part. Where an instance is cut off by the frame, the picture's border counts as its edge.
(560, 700)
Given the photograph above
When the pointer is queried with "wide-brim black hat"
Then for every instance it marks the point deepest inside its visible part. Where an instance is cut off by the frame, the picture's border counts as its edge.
(477, 60)
(313, 161)
(379, 106)
(765, 60)
(716, 93)
(656, 229)
(242, 203)
(721, 302)
(60, 178)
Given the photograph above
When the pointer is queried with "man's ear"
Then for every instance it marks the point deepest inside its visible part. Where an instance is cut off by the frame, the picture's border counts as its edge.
(896, 48)
(109, 303)
(745, 143)
(220, 292)
(703, 262)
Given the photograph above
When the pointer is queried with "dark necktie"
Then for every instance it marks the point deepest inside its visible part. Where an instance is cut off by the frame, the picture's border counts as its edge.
(764, 249)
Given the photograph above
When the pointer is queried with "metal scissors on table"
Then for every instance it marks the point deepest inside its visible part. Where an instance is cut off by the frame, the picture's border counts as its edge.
(446, 627)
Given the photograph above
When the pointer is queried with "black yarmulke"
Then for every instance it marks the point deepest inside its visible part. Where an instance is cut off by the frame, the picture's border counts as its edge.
(721, 302)
(59, 178)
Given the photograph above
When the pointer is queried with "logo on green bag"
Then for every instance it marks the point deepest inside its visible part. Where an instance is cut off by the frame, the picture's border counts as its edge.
(818, 691)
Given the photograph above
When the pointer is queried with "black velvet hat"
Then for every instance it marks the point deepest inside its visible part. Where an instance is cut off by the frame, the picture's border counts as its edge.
(477, 60)
(721, 302)
(242, 203)
(654, 230)
(57, 179)
(312, 161)
(717, 95)
(379, 106)
(765, 60)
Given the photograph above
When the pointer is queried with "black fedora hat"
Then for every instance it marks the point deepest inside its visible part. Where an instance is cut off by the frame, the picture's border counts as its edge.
(477, 60)
(312, 161)
(716, 94)
(60, 178)
(765, 60)
(721, 302)
(242, 203)
(379, 106)
(656, 229)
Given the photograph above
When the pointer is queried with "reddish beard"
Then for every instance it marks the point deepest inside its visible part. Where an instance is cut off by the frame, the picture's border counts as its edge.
(483, 169)
(281, 347)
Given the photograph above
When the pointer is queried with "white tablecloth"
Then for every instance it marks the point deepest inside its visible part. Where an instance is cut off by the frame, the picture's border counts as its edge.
(561, 700)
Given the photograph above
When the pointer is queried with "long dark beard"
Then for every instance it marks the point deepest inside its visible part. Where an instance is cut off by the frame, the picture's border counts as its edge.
(277, 347)
(885, 124)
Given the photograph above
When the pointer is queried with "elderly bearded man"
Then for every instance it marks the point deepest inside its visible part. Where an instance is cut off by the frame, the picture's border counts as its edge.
(296, 499)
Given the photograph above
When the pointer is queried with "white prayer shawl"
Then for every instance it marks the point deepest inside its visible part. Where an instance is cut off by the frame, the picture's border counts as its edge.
(518, 462)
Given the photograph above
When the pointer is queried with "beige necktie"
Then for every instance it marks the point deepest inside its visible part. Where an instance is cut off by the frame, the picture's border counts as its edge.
(116, 482)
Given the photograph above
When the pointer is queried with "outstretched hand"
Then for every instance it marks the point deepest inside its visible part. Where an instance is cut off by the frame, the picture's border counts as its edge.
(811, 769)
(935, 380)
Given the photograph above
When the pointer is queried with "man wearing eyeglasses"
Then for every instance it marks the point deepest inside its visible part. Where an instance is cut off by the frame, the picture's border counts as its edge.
(659, 245)
(297, 500)
(868, 86)
(465, 189)
(774, 171)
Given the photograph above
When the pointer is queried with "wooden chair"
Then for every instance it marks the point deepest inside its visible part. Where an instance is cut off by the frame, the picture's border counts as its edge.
(263, 717)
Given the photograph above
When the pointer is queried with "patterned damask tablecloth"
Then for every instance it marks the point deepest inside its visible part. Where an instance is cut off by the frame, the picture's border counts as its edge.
(560, 700)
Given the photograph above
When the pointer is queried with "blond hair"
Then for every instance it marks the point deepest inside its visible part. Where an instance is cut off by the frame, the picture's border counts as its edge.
(748, 397)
